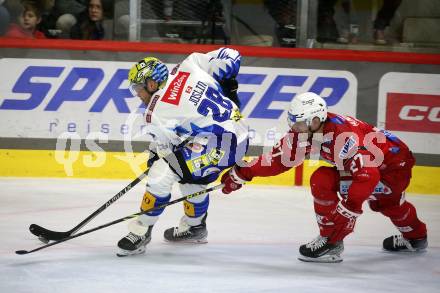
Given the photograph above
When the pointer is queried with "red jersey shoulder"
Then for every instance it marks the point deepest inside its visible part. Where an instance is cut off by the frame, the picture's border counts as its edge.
(335, 124)
(342, 135)
(340, 123)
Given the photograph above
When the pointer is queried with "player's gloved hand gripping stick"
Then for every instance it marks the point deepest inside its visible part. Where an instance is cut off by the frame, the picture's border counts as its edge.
(232, 180)
(122, 219)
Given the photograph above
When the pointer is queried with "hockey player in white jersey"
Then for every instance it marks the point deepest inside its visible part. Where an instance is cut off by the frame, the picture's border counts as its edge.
(196, 131)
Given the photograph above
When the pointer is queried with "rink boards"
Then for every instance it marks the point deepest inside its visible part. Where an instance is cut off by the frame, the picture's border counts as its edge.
(78, 90)
(123, 165)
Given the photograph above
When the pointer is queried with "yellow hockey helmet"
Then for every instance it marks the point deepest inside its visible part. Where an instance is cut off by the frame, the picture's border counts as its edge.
(147, 68)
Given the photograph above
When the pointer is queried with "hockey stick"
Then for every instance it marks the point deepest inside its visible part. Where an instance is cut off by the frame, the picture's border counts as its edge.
(21, 252)
(45, 234)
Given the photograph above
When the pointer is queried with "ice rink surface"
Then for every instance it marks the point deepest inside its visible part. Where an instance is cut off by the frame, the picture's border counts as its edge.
(254, 236)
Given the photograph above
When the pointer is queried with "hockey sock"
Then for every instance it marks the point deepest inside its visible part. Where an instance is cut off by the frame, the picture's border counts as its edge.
(404, 217)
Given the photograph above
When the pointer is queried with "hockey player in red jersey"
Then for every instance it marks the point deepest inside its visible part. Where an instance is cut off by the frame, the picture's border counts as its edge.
(369, 164)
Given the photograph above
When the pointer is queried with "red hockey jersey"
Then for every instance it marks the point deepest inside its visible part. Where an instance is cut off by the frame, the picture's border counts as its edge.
(347, 143)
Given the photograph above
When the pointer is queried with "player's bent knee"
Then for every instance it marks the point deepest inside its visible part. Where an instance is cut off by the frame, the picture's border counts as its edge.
(151, 201)
(161, 178)
(375, 206)
(196, 209)
(324, 175)
(324, 178)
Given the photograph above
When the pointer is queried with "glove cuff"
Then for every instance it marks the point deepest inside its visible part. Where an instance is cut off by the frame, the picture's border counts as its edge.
(236, 176)
(343, 211)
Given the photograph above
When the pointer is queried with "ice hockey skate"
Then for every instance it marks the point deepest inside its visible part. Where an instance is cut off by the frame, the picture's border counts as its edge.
(397, 243)
(186, 233)
(319, 250)
(133, 244)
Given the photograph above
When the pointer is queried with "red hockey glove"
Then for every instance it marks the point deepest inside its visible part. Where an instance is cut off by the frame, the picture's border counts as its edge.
(232, 180)
(338, 224)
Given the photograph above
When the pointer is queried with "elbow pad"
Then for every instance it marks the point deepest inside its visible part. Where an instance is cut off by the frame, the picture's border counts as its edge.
(224, 63)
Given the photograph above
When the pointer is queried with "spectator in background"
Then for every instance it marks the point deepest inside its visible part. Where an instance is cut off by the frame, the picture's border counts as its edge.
(327, 29)
(349, 27)
(67, 13)
(284, 14)
(89, 25)
(49, 17)
(4, 18)
(383, 19)
(25, 18)
(174, 14)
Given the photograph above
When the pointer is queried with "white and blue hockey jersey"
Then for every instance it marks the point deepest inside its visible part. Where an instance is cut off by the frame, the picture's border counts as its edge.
(191, 106)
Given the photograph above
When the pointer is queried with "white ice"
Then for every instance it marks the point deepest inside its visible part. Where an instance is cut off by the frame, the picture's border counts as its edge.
(254, 236)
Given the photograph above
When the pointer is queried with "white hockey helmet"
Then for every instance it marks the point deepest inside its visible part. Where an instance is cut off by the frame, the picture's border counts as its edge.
(305, 107)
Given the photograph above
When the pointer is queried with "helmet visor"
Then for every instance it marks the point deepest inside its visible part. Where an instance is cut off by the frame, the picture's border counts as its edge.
(135, 88)
(296, 122)
(292, 118)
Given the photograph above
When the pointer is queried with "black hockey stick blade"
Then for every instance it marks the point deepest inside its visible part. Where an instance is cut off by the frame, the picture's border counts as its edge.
(44, 233)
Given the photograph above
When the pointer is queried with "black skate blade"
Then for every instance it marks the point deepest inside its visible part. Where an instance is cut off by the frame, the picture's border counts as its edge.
(406, 251)
(328, 259)
(187, 241)
(125, 253)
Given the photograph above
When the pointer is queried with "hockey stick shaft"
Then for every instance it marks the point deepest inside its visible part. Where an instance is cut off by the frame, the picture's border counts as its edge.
(20, 252)
(54, 235)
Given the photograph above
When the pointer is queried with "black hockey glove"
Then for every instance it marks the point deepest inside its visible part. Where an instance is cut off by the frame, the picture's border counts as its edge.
(230, 87)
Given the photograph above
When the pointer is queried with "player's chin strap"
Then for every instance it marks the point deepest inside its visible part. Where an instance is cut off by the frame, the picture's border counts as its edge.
(146, 87)
(148, 91)
(314, 131)
(309, 126)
